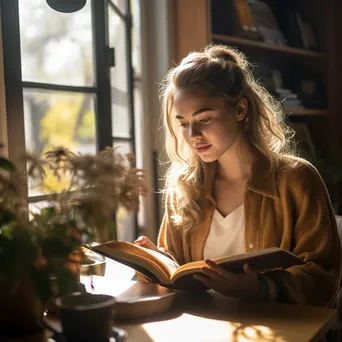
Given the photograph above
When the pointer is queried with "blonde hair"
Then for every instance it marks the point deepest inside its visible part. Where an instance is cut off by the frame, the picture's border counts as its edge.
(221, 72)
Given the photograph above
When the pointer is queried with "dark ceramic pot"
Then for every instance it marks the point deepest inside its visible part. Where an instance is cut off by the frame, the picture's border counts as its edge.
(86, 317)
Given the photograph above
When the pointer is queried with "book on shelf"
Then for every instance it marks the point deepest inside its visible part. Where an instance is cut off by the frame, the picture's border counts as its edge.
(307, 33)
(310, 89)
(310, 35)
(288, 98)
(163, 270)
(242, 17)
(286, 93)
(245, 24)
(289, 104)
(233, 17)
(273, 80)
(266, 23)
(298, 32)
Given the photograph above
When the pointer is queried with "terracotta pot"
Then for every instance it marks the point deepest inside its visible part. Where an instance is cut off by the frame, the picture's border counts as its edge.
(20, 306)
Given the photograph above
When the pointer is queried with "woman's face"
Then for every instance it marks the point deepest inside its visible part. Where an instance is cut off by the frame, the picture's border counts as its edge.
(208, 124)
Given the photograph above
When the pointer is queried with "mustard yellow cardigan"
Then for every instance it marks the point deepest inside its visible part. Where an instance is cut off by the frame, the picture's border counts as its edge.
(289, 208)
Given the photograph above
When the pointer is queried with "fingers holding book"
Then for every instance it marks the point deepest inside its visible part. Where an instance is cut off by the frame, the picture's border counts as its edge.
(215, 271)
(241, 285)
(145, 242)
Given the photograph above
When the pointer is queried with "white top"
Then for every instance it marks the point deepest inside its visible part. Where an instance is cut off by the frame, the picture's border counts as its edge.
(227, 234)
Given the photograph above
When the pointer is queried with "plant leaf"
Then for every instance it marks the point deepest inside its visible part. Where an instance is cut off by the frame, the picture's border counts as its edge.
(7, 165)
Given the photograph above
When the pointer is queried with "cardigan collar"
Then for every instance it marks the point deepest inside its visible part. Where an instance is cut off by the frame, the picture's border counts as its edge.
(263, 179)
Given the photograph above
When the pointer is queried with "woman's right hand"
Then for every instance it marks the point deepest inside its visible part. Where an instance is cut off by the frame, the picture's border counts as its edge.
(145, 242)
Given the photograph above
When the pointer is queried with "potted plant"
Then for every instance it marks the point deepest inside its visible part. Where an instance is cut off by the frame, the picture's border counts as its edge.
(40, 251)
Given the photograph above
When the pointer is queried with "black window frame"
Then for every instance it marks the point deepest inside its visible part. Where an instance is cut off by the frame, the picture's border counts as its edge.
(103, 61)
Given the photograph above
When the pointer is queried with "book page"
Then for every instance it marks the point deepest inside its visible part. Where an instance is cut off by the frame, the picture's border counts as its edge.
(168, 262)
(130, 254)
(191, 267)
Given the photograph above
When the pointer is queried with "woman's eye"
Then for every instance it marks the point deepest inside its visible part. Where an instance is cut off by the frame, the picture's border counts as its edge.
(183, 124)
(205, 120)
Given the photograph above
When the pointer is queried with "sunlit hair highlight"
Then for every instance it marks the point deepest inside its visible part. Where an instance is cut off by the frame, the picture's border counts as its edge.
(224, 73)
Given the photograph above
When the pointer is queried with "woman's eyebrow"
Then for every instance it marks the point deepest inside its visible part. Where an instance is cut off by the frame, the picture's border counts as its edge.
(197, 112)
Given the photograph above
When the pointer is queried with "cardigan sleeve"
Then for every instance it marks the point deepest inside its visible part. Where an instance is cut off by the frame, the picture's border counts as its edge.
(315, 240)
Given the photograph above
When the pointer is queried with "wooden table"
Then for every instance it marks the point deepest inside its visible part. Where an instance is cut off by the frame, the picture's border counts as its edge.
(213, 318)
(217, 318)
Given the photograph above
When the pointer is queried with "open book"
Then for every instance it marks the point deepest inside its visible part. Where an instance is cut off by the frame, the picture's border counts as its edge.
(163, 270)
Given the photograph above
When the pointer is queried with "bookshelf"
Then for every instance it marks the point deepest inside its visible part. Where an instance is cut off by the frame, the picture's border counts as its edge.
(306, 112)
(248, 43)
(192, 25)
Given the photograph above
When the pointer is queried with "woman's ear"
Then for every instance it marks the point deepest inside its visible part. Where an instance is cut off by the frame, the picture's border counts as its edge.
(242, 108)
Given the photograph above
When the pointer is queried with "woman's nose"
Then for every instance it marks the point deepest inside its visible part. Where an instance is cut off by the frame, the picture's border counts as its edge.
(195, 133)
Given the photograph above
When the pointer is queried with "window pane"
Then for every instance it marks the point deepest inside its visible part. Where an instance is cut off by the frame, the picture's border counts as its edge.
(56, 118)
(123, 146)
(125, 221)
(136, 38)
(118, 75)
(120, 120)
(56, 47)
(140, 139)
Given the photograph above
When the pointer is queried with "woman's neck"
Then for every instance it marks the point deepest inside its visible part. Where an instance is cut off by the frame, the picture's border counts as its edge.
(236, 163)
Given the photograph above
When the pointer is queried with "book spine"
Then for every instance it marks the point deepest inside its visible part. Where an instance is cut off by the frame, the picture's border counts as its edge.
(301, 30)
(252, 27)
(243, 22)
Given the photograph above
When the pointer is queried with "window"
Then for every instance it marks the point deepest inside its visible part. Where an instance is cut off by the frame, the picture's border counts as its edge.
(76, 79)
(59, 90)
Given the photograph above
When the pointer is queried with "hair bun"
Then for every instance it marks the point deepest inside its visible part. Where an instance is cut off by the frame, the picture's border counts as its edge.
(227, 54)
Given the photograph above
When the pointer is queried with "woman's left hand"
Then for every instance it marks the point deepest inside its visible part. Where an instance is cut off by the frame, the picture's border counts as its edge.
(241, 285)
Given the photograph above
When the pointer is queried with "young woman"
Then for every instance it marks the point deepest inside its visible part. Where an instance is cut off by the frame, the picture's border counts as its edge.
(235, 186)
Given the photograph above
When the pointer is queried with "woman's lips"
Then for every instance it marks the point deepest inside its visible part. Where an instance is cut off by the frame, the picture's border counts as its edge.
(202, 148)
